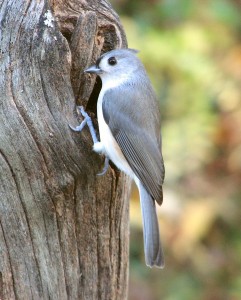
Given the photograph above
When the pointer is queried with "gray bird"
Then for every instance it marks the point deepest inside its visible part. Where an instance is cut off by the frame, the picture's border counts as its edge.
(129, 127)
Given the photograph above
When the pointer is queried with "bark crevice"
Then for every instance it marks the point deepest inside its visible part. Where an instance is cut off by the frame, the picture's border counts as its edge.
(63, 230)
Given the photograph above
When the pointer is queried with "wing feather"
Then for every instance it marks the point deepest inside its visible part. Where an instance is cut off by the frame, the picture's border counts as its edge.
(136, 136)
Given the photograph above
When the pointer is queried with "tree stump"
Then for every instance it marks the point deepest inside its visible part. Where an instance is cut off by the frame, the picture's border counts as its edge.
(64, 231)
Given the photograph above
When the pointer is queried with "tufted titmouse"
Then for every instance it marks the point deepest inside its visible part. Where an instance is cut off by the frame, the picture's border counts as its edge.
(129, 126)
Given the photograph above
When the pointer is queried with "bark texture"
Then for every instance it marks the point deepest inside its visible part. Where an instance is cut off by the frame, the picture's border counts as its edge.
(64, 231)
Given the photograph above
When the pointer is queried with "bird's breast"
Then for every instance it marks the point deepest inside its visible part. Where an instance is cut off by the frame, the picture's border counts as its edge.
(110, 146)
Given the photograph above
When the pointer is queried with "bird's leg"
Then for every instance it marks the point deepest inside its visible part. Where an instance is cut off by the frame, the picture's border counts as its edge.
(87, 120)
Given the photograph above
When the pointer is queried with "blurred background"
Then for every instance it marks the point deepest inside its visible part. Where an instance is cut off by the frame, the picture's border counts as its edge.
(192, 52)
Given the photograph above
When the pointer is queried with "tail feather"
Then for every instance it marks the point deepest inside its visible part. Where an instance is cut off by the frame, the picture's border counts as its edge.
(152, 243)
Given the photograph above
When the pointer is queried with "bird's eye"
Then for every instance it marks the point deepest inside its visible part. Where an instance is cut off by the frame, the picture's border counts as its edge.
(112, 61)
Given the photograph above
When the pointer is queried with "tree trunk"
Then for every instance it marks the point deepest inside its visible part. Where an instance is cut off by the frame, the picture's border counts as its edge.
(63, 229)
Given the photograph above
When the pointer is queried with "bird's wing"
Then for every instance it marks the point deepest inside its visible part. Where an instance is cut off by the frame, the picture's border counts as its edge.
(136, 135)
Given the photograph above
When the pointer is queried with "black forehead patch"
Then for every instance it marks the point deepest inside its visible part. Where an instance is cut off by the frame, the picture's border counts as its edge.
(98, 61)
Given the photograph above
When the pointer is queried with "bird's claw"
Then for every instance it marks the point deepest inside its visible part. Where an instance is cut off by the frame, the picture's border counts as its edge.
(106, 166)
(87, 120)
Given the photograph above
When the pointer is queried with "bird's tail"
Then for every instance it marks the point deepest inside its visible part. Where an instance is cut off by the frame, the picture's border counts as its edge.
(152, 243)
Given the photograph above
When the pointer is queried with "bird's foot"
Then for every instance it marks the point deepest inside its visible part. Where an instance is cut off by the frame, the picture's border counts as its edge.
(106, 166)
(87, 120)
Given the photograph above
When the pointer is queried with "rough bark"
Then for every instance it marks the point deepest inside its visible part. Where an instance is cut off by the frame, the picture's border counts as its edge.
(63, 230)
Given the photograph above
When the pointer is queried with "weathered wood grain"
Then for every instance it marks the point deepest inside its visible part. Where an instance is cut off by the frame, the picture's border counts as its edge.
(63, 230)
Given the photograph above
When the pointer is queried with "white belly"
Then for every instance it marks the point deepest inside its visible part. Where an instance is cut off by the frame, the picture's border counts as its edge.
(108, 144)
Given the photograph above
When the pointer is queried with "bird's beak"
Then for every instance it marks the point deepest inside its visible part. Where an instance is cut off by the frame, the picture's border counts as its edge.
(93, 69)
